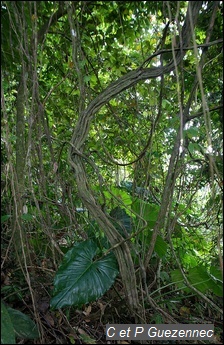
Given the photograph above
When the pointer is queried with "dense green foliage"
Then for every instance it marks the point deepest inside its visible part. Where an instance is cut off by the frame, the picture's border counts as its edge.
(112, 118)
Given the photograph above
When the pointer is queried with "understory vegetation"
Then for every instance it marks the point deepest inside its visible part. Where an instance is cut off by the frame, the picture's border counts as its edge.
(111, 168)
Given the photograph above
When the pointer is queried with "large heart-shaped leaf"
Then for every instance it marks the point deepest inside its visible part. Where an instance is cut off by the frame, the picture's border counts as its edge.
(82, 278)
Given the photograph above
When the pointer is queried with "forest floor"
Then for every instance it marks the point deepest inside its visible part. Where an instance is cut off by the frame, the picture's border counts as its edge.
(87, 325)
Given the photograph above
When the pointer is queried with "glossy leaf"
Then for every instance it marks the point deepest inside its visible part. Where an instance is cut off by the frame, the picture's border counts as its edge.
(82, 277)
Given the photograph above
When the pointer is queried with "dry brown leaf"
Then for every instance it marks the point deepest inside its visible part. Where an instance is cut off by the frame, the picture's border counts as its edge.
(102, 307)
(81, 331)
(87, 310)
(49, 319)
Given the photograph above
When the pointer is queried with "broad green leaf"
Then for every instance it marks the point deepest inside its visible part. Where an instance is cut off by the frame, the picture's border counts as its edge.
(160, 245)
(216, 286)
(177, 278)
(7, 330)
(23, 325)
(215, 282)
(97, 235)
(124, 222)
(147, 211)
(27, 216)
(5, 218)
(199, 278)
(82, 278)
(123, 195)
(216, 272)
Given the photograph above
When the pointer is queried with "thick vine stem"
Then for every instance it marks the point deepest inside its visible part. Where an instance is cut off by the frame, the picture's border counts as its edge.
(79, 137)
(122, 252)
